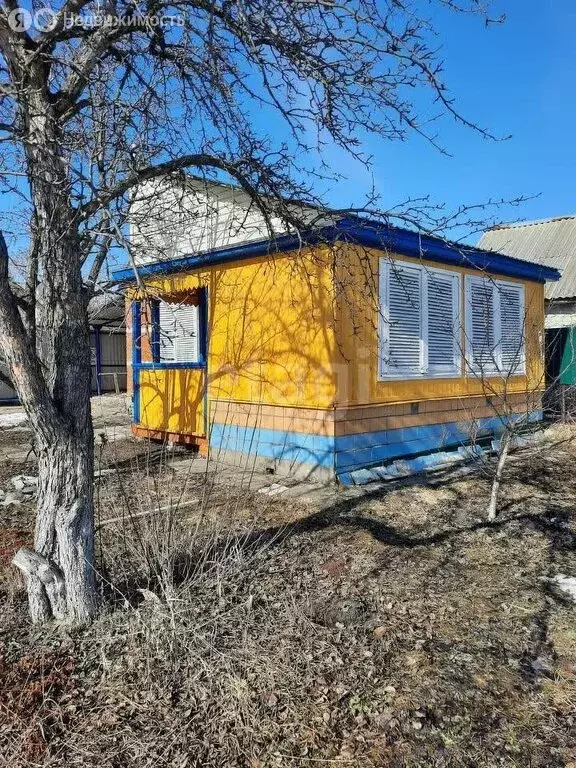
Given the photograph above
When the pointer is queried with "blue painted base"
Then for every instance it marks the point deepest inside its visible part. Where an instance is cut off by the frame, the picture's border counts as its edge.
(374, 448)
(312, 450)
(406, 467)
(352, 453)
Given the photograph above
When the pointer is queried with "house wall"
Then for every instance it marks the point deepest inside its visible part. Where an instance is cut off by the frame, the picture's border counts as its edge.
(560, 313)
(560, 358)
(112, 360)
(376, 421)
(270, 375)
(172, 401)
(292, 369)
(113, 365)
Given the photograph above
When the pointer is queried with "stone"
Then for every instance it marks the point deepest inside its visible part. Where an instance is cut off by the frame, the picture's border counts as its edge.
(566, 585)
(20, 482)
(11, 498)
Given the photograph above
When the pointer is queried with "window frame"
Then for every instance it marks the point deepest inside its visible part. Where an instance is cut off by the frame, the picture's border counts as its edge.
(497, 369)
(425, 372)
(154, 333)
(159, 331)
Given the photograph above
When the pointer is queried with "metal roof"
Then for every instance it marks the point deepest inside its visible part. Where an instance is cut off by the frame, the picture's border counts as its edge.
(364, 232)
(106, 309)
(551, 242)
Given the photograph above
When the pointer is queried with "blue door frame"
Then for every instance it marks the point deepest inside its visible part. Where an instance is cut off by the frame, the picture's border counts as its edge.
(155, 365)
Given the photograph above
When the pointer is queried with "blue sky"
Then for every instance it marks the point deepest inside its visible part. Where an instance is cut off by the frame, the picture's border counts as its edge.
(515, 78)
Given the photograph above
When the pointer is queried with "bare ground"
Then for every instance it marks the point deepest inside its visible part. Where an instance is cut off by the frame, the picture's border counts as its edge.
(391, 627)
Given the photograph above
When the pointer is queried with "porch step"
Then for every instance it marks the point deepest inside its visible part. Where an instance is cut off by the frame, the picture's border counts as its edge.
(172, 438)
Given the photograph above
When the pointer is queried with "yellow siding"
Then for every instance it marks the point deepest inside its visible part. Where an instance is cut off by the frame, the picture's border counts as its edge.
(292, 332)
(271, 337)
(309, 421)
(356, 354)
(377, 418)
(172, 400)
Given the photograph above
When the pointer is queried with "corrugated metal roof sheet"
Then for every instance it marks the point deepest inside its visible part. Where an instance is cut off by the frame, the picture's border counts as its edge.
(107, 308)
(551, 242)
(560, 320)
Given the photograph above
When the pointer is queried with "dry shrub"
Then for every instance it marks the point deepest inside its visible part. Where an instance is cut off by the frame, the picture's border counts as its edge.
(205, 664)
(206, 654)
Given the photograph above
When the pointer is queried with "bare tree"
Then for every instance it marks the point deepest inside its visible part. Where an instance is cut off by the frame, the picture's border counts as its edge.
(505, 367)
(97, 98)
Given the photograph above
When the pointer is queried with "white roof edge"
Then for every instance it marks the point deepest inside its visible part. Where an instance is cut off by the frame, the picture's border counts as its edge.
(530, 223)
(566, 320)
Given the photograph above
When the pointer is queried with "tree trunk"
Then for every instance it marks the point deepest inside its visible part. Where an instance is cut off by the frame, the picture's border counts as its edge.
(52, 378)
(65, 532)
(503, 455)
(60, 572)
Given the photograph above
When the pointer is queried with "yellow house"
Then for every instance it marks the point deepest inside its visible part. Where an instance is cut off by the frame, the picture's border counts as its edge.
(336, 354)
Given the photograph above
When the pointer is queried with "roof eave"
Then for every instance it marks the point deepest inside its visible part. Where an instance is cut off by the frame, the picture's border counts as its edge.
(368, 234)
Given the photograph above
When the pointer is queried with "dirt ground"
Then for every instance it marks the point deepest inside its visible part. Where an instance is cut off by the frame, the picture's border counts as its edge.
(387, 626)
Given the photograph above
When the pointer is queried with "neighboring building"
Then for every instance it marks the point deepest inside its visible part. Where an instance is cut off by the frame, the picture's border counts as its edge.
(106, 315)
(355, 346)
(107, 318)
(550, 242)
(7, 394)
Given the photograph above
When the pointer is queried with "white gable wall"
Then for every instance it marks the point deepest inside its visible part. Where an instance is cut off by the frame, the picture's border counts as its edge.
(168, 222)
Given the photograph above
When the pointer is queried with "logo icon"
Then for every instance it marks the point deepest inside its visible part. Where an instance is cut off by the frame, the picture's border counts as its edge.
(20, 20)
(45, 20)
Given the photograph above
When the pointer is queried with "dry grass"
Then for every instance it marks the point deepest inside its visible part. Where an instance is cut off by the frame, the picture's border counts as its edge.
(391, 629)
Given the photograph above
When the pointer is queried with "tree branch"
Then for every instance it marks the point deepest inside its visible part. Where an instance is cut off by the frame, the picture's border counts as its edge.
(99, 260)
(82, 67)
(22, 361)
(151, 172)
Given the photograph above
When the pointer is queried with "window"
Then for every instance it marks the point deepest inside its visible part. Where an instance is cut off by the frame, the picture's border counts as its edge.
(494, 326)
(419, 333)
(178, 333)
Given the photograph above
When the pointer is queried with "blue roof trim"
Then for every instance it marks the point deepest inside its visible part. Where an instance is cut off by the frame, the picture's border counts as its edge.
(224, 255)
(363, 232)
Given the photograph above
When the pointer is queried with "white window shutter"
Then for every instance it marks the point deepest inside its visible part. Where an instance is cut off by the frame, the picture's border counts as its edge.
(179, 333)
(383, 318)
(419, 321)
(512, 328)
(186, 341)
(482, 339)
(167, 332)
(443, 322)
(405, 319)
